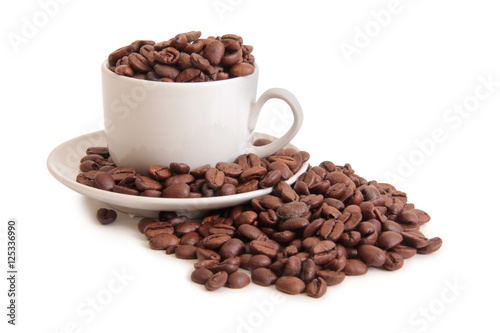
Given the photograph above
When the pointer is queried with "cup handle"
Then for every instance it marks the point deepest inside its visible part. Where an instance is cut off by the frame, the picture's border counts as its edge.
(291, 100)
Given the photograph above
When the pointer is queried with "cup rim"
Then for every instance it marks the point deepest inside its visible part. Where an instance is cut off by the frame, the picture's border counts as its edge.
(106, 71)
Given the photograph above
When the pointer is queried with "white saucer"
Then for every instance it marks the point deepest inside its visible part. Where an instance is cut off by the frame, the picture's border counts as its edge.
(64, 161)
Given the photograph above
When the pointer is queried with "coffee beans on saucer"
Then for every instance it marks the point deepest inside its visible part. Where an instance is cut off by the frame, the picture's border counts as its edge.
(184, 58)
(247, 173)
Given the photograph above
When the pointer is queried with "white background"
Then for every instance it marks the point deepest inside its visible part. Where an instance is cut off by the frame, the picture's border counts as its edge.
(369, 109)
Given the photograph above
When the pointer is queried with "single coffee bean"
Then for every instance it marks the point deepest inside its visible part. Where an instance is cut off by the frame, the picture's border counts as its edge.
(389, 239)
(292, 209)
(238, 280)
(216, 281)
(143, 223)
(372, 255)
(405, 251)
(263, 247)
(162, 241)
(186, 252)
(191, 238)
(316, 288)
(414, 239)
(227, 189)
(180, 190)
(144, 183)
(156, 228)
(159, 172)
(201, 275)
(290, 285)
(394, 261)
(106, 216)
(231, 248)
(104, 181)
(263, 276)
(88, 165)
(214, 178)
(206, 254)
(258, 261)
(332, 278)
(292, 266)
(355, 267)
(434, 245)
(323, 252)
(215, 241)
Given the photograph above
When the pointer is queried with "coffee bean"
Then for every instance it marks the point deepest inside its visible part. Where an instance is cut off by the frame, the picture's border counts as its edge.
(263, 276)
(292, 266)
(394, 261)
(106, 216)
(292, 209)
(238, 280)
(144, 183)
(389, 239)
(201, 275)
(143, 223)
(215, 241)
(323, 252)
(316, 288)
(162, 241)
(372, 255)
(216, 281)
(434, 245)
(104, 181)
(231, 248)
(355, 267)
(186, 252)
(258, 261)
(263, 247)
(332, 278)
(180, 190)
(191, 238)
(290, 285)
(156, 228)
(414, 239)
(214, 178)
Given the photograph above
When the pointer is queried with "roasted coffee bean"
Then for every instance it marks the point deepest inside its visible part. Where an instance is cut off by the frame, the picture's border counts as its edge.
(143, 223)
(249, 186)
(214, 178)
(88, 165)
(331, 229)
(206, 254)
(216, 281)
(294, 224)
(156, 228)
(292, 209)
(355, 267)
(389, 239)
(215, 241)
(227, 189)
(162, 241)
(323, 252)
(125, 190)
(250, 232)
(263, 276)
(258, 261)
(191, 238)
(252, 173)
(104, 181)
(394, 261)
(263, 247)
(125, 70)
(186, 227)
(230, 169)
(231, 248)
(414, 239)
(290, 285)
(159, 172)
(405, 251)
(199, 173)
(201, 275)
(238, 280)
(292, 266)
(144, 183)
(106, 216)
(186, 252)
(316, 288)
(372, 255)
(270, 179)
(332, 278)
(180, 190)
(434, 245)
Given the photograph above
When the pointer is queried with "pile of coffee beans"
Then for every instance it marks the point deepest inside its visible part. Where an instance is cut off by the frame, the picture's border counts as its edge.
(247, 173)
(184, 58)
(330, 224)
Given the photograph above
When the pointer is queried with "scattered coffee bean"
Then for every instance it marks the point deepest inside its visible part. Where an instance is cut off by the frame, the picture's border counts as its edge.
(106, 216)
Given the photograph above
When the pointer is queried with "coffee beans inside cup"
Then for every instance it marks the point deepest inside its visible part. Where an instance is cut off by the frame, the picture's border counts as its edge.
(184, 58)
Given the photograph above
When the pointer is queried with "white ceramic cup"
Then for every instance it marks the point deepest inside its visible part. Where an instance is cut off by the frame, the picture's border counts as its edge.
(196, 123)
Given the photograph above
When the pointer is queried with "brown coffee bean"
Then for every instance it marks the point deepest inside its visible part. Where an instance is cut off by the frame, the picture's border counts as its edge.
(240, 69)
(332, 278)
(144, 222)
(138, 63)
(290, 285)
(292, 267)
(104, 181)
(284, 170)
(294, 224)
(106, 216)
(263, 247)
(186, 227)
(227, 189)
(125, 190)
(331, 229)
(191, 238)
(230, 169)
(190, 75)
(159, 172)
(263, 276)
(394, 261)
(232, 248)
(204, 254)
(180, 190)
(125, 70)
(323, 252)
(292, 209)
(238, 280)
(214, 178)
(316, 288)
(355, 267)
(389, 239)
(216, 281)
(414, 239)
(215, 241)
(434, 245)
(144, 183)
(214, 52)
(201, 275)
(258, 261)
(270, 179)
(186, 252)
(156, 228)
(372, 255)
(162, 241)
(249, 186)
